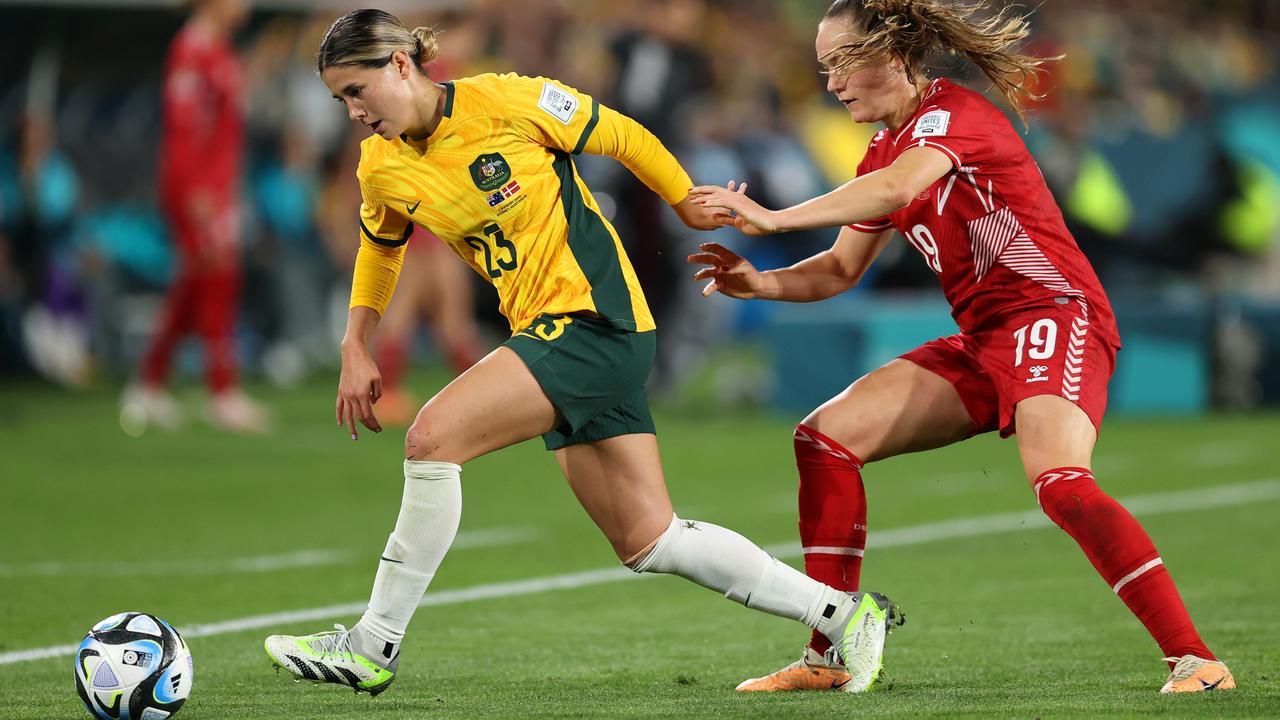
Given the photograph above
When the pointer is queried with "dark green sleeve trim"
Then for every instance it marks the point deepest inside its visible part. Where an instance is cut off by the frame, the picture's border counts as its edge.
(404, 237)
(591, 126)
(448, 99)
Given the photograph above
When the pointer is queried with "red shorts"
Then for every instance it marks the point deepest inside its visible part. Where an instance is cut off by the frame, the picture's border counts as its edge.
(1045, 351)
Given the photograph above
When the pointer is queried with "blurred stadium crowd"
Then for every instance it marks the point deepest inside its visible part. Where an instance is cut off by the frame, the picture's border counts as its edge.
(1160, 136)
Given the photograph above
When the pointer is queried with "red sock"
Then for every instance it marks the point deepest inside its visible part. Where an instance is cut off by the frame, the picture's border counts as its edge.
(393, 357)
(1123, 555)
(833, 514)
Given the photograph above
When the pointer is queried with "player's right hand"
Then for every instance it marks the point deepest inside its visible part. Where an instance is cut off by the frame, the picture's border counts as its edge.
(359, 387)
(729, 273)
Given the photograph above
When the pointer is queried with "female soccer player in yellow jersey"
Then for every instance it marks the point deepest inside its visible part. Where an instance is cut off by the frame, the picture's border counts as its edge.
(486, 164)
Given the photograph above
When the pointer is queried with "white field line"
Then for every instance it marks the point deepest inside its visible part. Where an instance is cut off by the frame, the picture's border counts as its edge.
(253, 564)
(1224, 453)
(1145, 505)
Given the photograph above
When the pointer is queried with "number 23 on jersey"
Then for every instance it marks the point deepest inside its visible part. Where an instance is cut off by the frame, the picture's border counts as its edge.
(497, 255)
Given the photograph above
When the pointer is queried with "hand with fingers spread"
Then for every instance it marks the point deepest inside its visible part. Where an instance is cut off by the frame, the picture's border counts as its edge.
(732, 207)
(729, 273)
(359, 387)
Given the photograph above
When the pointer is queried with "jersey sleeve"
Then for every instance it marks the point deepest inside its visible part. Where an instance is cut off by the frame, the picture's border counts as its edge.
(557, 116)
(550, 113)
(957, 126)
(184, 98)
(874, 225)
(383, 236)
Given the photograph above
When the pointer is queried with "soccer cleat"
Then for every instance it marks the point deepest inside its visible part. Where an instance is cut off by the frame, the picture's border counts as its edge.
(397, 408)
(812, 671)
(862, 645)
(148, 406)
(339, 656)
(1193, 674)
(858, 663)
(236, 412)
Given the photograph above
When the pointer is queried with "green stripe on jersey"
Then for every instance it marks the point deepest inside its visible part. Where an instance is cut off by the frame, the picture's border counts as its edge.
(448, 98)
(591, 126)
(595, 251)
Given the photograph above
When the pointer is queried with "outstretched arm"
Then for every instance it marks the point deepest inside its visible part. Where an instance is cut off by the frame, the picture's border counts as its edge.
(641, 152)
(559, 117)
(868, 196)
(824, 275)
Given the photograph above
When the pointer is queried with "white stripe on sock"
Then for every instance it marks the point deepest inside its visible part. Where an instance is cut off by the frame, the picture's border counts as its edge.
(1134, 575)
(824, 550)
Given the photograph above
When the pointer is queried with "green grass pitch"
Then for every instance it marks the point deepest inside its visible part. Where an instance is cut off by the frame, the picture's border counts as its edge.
(200, 527)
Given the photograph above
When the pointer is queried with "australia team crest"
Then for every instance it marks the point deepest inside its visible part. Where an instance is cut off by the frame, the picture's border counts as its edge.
(490, 171)
(492, 175)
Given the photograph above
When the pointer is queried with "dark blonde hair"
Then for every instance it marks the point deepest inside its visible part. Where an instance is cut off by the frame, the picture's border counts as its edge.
(368, 38)
(911, 30)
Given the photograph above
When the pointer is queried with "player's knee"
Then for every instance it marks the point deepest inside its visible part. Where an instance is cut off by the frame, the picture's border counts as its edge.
(425, 439)
(857, 439)
(650, 557)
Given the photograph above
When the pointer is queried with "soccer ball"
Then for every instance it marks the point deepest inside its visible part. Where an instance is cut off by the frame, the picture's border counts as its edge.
(133, 666)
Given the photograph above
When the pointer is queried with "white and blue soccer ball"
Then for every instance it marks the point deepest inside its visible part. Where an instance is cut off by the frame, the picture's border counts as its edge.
(133, 666)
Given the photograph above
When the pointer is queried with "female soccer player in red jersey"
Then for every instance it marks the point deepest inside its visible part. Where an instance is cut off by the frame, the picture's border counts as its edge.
(1038, 339)
(200, 168)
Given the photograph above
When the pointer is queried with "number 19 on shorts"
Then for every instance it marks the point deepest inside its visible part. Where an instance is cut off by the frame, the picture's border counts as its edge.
(1036, 341)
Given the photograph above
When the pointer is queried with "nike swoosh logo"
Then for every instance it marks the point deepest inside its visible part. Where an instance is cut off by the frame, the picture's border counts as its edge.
(413, 208)
(1213, 685)
(837, 685)
(384, 557)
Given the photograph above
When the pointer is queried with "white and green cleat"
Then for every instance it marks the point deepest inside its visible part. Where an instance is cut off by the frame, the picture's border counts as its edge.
(341, 656)
(862, 645)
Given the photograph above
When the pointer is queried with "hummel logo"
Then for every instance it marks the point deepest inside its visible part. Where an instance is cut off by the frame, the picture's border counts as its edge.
(1038, 373)
(412, 208)
(692, 525)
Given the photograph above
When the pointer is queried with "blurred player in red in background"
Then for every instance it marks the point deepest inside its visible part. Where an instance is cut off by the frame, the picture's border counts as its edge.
(1038, 339)
(199, 177)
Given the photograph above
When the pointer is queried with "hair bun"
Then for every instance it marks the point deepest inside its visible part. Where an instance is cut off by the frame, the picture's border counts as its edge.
(427, 47)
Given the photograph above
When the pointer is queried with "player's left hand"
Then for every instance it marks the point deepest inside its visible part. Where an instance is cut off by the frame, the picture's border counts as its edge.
(732, 207)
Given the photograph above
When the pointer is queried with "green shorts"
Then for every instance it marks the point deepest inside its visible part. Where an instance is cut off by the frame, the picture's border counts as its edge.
(593, 373)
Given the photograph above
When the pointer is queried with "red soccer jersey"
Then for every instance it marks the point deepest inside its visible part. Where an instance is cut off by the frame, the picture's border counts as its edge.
(990, 228)
(203, 132)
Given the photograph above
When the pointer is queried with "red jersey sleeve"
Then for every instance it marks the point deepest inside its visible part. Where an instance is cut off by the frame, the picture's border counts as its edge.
(185, 129)
(955, 125)
(867, 165)
(202, 133)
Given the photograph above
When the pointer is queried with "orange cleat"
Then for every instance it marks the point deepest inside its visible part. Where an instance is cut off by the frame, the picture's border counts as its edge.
(811, 672)
(396, 408)
(1193, 674)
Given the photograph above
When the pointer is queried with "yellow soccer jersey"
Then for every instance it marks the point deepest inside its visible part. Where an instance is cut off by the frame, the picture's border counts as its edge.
(497, 182)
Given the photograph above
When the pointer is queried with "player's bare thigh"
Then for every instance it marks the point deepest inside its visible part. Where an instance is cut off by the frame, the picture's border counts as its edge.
(620, 484)
(897, 408)
(496, 403)
(1053, 432)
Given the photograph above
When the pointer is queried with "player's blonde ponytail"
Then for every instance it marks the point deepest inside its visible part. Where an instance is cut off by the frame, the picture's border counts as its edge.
(428, 48)
(368, 38)
(912, 29)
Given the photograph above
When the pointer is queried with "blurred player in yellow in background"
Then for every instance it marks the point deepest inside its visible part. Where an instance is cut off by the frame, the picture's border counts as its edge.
(486, 164)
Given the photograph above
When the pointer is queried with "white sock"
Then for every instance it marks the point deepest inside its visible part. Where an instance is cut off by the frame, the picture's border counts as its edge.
(724, 561)
(429, 515)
